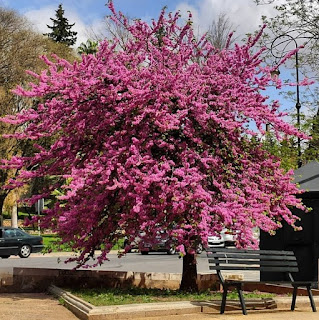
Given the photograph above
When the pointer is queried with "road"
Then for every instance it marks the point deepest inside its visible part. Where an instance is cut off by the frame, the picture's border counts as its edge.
(153, 262)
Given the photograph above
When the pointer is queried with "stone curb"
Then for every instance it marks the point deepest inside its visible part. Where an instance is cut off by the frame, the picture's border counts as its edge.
(78, 306)
(86, 311)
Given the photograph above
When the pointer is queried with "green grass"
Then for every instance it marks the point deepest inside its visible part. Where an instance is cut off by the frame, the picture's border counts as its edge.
(50, 243)
(62, 301)
(119, 244)
(118, 296)
(48, 239)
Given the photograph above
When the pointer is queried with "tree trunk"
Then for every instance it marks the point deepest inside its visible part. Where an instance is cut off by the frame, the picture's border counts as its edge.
(2, 198)
(189, 276)
(14, 216)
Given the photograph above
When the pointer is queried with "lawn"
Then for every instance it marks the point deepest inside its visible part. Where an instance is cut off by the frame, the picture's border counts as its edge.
(119, 296)
(50, 244)
(49, 241)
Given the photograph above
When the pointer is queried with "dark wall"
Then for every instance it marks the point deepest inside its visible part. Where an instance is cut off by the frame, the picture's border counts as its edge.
(304, 243)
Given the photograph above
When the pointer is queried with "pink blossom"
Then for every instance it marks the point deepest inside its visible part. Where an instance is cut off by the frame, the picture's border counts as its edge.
(155, 137)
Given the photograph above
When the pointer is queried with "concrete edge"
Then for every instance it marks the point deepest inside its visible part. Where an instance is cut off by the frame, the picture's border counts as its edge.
(78, 306)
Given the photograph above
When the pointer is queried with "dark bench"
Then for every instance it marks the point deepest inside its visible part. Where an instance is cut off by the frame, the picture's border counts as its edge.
(223, 259)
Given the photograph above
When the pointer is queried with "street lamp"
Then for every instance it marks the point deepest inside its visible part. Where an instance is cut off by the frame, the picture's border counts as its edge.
(280, 44)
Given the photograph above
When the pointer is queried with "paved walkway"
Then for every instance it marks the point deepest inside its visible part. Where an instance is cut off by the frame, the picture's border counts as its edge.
(39, 306)
(252, 315)
(32, 306)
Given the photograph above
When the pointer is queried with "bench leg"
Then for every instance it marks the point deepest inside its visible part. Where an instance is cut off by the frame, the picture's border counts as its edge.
(223, 305)
(242, 300)
(294, 296)
(313, 306)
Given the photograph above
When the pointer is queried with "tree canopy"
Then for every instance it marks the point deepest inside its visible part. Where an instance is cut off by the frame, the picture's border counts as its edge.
(156, 136)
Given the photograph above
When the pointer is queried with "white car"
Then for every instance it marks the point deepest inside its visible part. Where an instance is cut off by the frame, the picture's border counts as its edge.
(227, 238)
(224, 239)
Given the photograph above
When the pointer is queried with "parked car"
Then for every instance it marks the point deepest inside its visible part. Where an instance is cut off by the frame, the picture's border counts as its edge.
(224, 239)
(14, 241)
(134, 245)
(161, 244)
(228, 238)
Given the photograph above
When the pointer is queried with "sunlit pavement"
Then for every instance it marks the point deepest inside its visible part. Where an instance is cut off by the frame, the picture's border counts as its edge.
(32, 306)
(304, 314)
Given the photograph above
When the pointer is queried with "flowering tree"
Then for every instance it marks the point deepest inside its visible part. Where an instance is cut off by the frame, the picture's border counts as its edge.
(156, 137)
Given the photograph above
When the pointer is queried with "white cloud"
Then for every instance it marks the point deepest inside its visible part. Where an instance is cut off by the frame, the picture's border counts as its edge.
(245, 15)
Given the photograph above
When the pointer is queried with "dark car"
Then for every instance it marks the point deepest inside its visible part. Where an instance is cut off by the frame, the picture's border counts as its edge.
(161, 244)
(14, 241)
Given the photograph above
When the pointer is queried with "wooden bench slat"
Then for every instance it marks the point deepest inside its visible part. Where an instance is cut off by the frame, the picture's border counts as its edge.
(251, 257)
(266, 252)
(258, 262)
(256, 268)
(285, 282)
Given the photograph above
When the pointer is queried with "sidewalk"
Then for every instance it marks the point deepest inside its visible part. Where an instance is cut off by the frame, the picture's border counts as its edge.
(32, 306)
(39, 306)
(252, 315)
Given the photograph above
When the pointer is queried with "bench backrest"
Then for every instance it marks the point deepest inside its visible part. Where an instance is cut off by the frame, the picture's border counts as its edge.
(255, 260)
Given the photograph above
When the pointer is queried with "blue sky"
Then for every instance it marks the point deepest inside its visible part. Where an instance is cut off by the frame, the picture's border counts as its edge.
(90, 10)
(88, 14)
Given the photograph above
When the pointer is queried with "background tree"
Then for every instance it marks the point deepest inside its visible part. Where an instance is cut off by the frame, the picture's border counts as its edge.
(312, 147)
(155, 137)
(219, 31)
(90, 47)
(113, 30)
(299, 19)
(61, 29)
(285, 150)
(18, 51)
(20, 48)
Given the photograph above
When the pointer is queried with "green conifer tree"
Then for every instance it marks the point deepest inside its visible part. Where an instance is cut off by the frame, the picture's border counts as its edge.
(61, 29)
